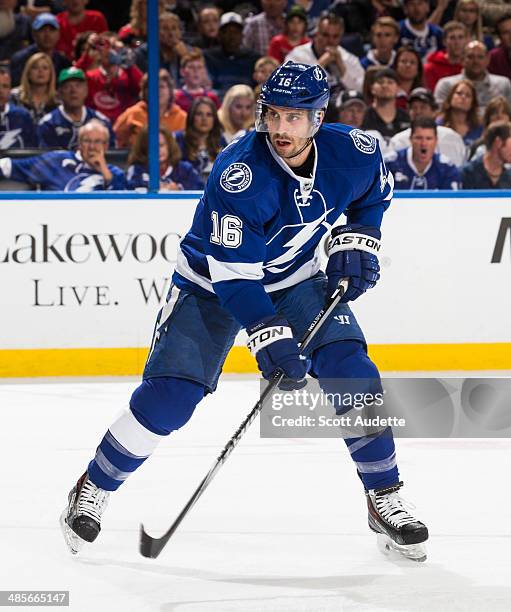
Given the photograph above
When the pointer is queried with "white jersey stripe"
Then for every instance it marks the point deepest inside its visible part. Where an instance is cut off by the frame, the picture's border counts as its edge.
(226, 270)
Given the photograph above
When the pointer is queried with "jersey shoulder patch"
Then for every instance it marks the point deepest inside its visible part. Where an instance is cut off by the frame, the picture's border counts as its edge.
(242, 168)
(236, 177)
(363, 141)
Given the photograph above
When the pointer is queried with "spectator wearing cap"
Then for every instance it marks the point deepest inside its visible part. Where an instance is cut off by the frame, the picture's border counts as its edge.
(384, 37)
(448, 62)
(475, 70)
(76, 20)
(45, 32)
(16, 126)
(59, 129)
(230, 64)
(194, 75)
(351, 108)
(342, 67)
(500, 57)
(261, 28)
(489, 170)
(14, 30)
(82, 170)
(416, 31)
(384, 116)
(421, 103)
(419, 166)
(294, 34)
(172, 117)
(115, 84)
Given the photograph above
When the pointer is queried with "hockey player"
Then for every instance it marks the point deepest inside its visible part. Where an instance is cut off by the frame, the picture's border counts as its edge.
(418, 166)
(251, 259)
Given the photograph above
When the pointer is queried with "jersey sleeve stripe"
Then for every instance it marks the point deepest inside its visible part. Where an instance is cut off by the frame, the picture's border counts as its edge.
(226, 270)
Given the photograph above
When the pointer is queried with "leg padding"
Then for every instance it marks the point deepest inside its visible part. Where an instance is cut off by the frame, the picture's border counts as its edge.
(165, 404)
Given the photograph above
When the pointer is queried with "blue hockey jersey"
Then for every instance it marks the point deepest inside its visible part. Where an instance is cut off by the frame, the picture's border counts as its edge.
(440, 174)
(60, 171)
(17, 129)
(183, 174)
(258, 226)
(58, 131)
(423, 42)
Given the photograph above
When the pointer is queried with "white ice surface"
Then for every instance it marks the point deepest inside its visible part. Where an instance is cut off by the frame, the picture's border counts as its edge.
(282, 527)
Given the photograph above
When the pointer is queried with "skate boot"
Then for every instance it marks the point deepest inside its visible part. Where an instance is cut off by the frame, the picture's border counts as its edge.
(81, 520)
(397, 529)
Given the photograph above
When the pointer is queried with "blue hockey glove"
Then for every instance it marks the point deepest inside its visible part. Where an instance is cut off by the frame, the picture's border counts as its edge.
(271, 342)
(352, 253)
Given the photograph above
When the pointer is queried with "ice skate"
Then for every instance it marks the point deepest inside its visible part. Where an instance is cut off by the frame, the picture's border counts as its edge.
(397, 529)
(80, 521)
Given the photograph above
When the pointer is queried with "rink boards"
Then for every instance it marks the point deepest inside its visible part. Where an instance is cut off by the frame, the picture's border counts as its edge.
(83, 277)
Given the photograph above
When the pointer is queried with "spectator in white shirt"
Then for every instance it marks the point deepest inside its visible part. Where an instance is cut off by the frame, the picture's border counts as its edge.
(343, 68)
(421, 103)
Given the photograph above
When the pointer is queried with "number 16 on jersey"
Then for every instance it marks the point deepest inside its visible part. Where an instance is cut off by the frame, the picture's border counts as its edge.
(227, 231)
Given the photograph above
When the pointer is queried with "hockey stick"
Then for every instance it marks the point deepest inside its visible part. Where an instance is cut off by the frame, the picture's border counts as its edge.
(152, 547)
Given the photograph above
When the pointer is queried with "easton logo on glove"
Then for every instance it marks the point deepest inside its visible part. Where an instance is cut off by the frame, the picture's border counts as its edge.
(353, 255)
(261, 338)
(340, 241)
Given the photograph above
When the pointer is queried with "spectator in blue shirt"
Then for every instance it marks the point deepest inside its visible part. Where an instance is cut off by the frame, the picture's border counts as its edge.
(175, 175)
(59, 129)
(202, 140)
(82, 170)
(16, 125)
(384, 37)
(416, 32)
(418, 166)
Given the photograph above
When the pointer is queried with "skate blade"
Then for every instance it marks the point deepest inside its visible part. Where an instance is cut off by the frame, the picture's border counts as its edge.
(73, 541)
(413, 552)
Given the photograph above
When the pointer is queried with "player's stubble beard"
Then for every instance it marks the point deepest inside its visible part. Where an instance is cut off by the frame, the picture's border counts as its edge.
(295, 148)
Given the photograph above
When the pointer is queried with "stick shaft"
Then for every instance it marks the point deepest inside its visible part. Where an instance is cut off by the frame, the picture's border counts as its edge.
(151, 547)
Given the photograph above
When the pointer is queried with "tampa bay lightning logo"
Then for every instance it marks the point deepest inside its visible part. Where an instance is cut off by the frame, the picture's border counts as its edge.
(364, 142)
(85, 182)
(318, 73)
(237, 177)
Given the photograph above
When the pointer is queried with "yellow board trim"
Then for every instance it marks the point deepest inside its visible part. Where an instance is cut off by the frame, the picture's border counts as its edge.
(21, 363)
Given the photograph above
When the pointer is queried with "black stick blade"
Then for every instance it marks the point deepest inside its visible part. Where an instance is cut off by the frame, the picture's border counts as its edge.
(151, 547)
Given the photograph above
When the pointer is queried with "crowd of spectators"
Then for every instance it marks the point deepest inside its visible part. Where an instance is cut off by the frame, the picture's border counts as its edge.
(430, 79)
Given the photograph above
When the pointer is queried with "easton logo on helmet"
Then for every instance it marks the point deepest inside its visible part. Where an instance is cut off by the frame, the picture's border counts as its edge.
(237, 177)
(364, 142)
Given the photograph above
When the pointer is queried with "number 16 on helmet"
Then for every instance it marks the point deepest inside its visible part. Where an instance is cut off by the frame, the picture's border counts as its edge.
(293, 86)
